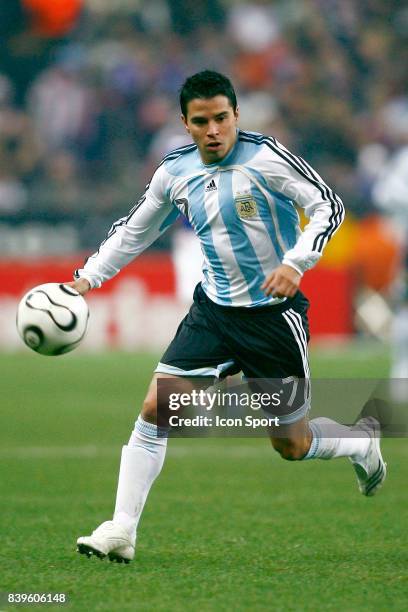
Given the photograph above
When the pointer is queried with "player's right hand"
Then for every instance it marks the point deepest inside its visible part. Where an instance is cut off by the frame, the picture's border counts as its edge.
(81, 285)
(284, 281)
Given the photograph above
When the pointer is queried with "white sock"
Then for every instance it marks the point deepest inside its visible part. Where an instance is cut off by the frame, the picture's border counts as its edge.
(399, 339)
(331, 440)
(141, 462)
(399, 359)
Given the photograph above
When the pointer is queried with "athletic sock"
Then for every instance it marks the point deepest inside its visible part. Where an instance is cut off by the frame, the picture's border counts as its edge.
(331, 439)
(399, 360)
(141, 462)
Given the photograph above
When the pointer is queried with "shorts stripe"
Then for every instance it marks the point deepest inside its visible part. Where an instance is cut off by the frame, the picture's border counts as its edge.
(297, 319)
(294, 320)
(164, 368)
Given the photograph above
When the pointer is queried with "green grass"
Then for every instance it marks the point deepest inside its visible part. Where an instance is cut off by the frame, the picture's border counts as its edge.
(228, 525)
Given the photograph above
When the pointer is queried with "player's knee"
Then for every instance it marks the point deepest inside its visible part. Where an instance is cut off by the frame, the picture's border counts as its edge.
(149, 409)
(291, 449)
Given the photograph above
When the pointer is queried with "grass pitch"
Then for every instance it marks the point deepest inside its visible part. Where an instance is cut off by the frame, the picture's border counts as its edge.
(228, 525)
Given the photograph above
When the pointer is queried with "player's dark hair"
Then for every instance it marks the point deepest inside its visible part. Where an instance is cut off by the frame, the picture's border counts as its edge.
(204, 85)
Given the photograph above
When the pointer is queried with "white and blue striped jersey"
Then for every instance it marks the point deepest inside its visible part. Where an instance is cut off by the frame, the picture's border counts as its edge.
(242, 209)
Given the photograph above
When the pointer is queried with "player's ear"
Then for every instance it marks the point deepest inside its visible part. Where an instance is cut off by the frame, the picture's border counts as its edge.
(184, 120)
(236, 113)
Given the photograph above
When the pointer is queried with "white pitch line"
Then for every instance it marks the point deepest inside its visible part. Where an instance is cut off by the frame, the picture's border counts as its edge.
(93, 452)
(45, 452)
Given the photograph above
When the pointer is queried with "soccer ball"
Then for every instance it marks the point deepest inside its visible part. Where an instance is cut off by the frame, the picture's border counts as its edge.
(52, 319)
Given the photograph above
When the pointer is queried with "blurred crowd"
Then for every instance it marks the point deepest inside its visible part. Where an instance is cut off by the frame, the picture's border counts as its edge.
(89, 94)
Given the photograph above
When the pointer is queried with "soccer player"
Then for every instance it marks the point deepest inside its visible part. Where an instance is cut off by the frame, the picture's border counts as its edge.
(237, 190)
(390, 194)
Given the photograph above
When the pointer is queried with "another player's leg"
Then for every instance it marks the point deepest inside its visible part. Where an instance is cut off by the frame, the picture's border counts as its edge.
(323, 438)
(141, 462)
(399, 356)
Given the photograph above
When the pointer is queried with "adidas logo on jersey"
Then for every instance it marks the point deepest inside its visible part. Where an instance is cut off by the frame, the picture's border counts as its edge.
(211, 186)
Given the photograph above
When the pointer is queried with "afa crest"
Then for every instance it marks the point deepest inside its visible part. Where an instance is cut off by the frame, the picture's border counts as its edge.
(245, 205)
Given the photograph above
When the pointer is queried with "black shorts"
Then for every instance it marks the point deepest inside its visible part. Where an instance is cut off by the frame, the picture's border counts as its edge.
(262, 342)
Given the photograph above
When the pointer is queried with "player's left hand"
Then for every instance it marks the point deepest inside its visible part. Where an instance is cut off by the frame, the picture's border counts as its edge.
(283, 282)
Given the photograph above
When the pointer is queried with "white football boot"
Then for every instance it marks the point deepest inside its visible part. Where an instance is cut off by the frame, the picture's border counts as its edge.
(108, 540)
(371, 470)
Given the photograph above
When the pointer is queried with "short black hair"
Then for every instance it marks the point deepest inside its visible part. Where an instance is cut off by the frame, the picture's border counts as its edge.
(204, 85)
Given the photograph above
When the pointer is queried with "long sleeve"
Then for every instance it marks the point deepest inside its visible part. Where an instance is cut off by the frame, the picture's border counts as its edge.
(131, 235)
(293, 177)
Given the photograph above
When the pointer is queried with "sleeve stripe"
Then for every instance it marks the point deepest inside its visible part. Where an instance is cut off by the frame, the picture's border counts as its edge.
(338, 217)
(124, 220)
(337, 208)
(177, 152)
(295, 162)
(185, 149)
(298, 164)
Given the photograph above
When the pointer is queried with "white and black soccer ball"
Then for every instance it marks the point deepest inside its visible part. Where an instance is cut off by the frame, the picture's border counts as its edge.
(52, 318)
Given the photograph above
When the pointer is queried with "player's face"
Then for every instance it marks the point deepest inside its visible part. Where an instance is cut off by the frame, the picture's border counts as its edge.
(212, 123)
